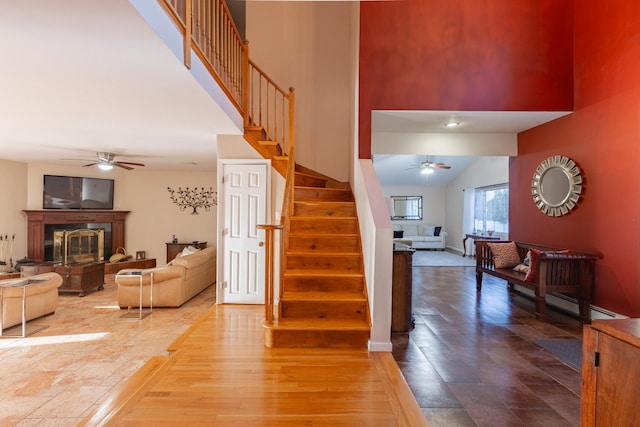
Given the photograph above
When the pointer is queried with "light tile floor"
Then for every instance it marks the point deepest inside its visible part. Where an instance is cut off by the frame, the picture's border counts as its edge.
(53, 378)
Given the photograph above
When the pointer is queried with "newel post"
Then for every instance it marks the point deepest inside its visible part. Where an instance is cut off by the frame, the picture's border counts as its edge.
(269, 231)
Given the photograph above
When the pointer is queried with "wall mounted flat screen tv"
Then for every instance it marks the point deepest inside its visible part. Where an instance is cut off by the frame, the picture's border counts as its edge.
(73, 192)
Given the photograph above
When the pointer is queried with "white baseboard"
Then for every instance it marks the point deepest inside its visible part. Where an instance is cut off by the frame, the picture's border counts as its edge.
(570, 305)
(380, 346)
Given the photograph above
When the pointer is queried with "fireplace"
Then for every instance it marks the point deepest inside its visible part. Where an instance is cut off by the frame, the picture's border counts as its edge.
(78, 246)
(41, 225)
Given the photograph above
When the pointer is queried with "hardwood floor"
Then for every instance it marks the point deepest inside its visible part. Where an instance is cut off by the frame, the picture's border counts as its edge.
(222, 374)
(469, 361)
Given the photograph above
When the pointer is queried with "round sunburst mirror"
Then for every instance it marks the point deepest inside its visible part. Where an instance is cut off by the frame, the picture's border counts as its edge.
(556, 186)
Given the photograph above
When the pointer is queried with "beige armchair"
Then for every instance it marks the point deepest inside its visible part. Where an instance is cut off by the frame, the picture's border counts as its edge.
(41, 298)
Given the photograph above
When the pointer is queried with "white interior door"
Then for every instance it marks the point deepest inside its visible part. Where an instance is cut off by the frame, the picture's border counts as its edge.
(244, 207)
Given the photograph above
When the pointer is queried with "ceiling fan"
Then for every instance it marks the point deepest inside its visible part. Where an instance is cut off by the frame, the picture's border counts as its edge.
(434, 165)
(106, 161)
(428, 166)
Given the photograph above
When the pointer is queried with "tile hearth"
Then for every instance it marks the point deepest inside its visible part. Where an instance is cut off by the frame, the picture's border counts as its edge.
(57, 376)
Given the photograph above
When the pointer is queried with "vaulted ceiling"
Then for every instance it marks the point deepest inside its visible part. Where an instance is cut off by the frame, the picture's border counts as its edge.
(85, 76)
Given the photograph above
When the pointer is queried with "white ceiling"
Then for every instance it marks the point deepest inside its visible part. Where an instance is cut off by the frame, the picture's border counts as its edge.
(85, 76)
(395, 169)
(404, 170)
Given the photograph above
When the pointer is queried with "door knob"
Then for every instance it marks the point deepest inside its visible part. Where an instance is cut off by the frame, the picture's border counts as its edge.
(261, 244)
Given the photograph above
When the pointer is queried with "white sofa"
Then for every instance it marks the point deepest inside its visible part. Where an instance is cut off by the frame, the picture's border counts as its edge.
(421, 236)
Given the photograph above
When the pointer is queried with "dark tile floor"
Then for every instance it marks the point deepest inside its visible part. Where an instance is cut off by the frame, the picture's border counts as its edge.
(470, 359)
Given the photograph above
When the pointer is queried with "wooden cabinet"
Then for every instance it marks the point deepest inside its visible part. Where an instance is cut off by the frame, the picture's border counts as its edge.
(610, 373)
(174, 249)
(401, 318)
(76, 278)
(81, 278)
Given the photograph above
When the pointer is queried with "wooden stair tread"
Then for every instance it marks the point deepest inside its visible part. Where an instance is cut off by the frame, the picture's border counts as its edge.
(322, 296)
(329, 218)
(303, 234)
(267, 142)
(331, 183)
(336, 254)
(320, 324)
(308, 175)
(325, 202)
(327, 189)
(322, 273)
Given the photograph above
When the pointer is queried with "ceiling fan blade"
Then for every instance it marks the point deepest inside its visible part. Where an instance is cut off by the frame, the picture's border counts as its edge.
(441, 166)
(90, 164)
(130, 163)
(121, 165)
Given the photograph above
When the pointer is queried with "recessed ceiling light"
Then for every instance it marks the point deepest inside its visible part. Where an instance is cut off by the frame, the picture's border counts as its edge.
(451, 124)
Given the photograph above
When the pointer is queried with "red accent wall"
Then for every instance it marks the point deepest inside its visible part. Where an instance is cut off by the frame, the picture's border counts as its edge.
(464, 55)
(603, 137)
(529, 55)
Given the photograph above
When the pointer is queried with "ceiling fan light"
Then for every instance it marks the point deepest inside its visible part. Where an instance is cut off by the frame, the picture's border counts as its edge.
(426, 171)
(105, 167)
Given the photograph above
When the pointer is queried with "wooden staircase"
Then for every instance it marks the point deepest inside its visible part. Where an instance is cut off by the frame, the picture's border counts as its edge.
(323, 299)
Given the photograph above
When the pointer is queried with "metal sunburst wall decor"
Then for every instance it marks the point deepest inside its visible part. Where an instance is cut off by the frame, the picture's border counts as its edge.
(193, 198)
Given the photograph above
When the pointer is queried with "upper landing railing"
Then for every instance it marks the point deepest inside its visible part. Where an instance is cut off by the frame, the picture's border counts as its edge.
(215, 39)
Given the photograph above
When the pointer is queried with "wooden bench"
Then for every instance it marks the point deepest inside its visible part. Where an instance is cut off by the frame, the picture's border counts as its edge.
(569, 272)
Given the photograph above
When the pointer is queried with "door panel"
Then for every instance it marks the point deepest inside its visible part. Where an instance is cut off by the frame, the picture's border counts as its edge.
(245, 206)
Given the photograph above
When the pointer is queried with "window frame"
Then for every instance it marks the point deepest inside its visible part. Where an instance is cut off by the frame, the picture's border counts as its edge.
(484, 218)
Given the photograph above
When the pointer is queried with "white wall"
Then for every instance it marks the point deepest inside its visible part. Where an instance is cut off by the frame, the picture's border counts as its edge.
(315, 55)
(377, 250)
(433, 206)
(153, 217)
(485, 171)
(13, 190)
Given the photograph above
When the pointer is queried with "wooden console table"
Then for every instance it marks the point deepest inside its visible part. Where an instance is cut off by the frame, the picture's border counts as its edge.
(174, 249)
(401, 292)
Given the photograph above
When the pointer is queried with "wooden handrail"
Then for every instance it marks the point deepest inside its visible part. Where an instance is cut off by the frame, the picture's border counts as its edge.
(269, 106)
(209, 30)
(214, 38)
